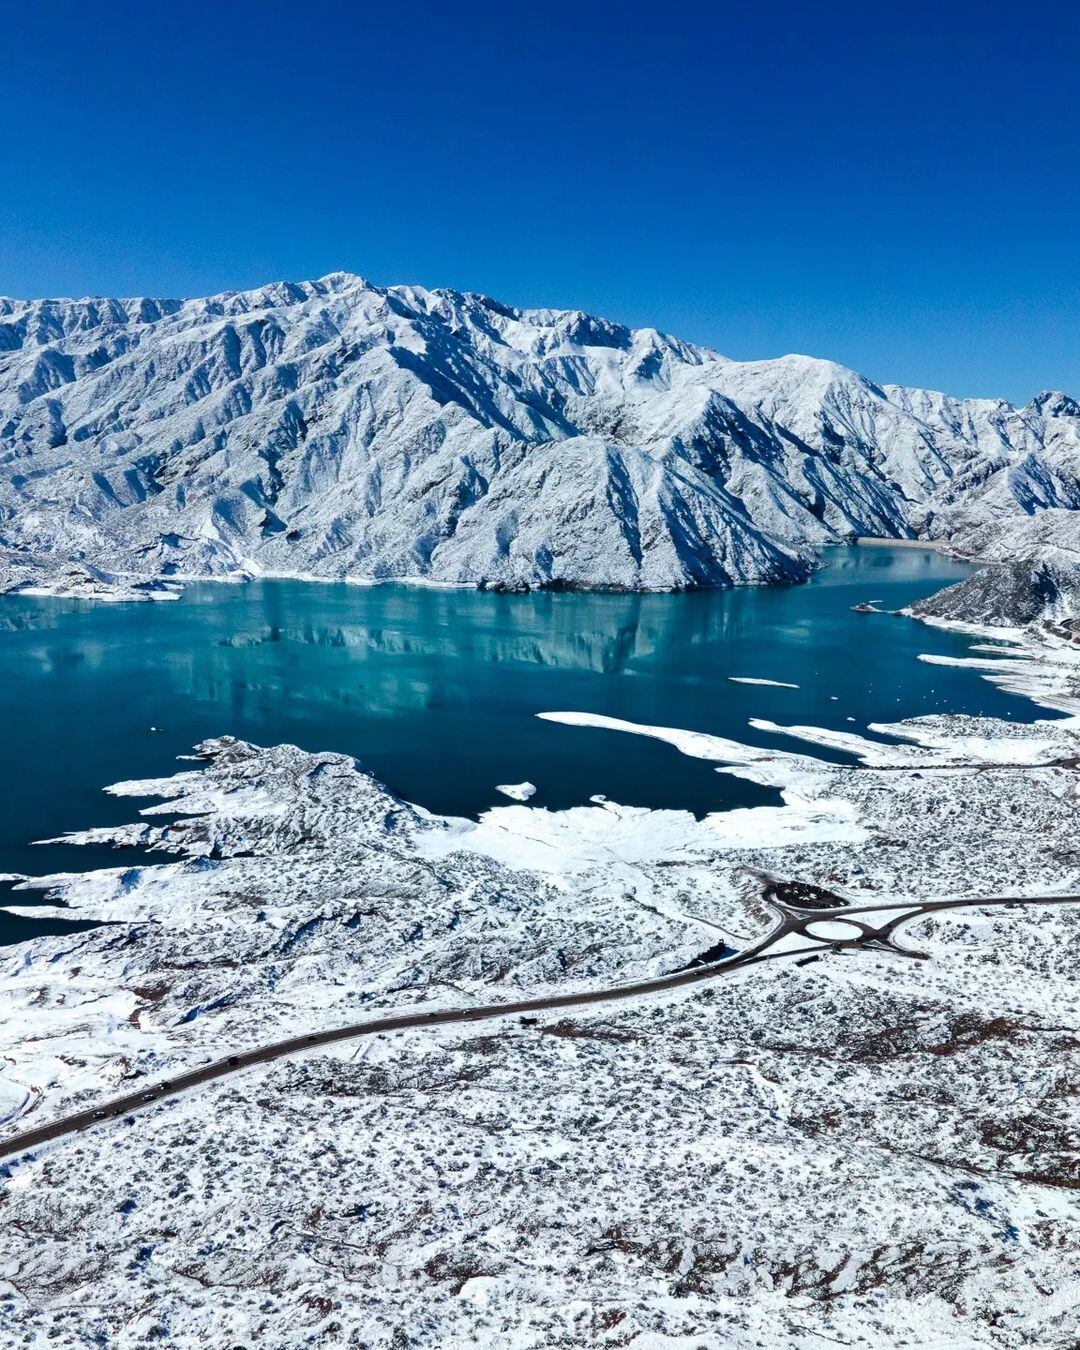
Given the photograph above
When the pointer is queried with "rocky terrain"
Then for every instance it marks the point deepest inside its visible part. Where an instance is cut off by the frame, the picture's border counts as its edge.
(863, 1150)
(26, 572)
(1032, 577)
(1012, 594)
(337, 429)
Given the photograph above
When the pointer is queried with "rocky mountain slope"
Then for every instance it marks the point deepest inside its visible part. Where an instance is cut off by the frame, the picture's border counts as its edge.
(1032, 576)
(342, 430)
(1009, 593)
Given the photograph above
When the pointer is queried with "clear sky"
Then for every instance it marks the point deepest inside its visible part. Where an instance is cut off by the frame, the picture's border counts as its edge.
(893, 185)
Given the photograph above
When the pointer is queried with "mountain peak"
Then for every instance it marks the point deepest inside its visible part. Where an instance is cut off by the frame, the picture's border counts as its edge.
(341, 280)
(1055, 403)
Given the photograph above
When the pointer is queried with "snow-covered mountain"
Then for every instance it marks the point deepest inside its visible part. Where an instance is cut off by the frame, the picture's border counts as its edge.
(338, 429)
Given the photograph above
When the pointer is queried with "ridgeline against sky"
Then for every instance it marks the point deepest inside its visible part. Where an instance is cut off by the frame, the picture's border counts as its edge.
(338, 429)
(898, 193)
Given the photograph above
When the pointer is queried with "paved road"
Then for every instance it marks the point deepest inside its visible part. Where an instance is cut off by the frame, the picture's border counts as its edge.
(817, 917)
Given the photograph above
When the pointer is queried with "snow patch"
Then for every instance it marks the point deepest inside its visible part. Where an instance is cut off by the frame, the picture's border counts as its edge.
(749, 679)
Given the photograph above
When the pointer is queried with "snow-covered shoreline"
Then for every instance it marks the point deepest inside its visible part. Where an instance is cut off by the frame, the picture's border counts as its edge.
(812, 1152)
(57, 582)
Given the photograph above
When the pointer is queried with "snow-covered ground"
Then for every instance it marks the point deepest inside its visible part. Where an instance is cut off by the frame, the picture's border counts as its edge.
(28, 573)
(862, 1150)
(337, 429)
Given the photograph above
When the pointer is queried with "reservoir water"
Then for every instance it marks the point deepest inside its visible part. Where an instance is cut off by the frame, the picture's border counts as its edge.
(436, 691)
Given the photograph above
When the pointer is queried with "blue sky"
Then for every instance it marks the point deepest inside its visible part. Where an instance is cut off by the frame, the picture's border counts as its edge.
(896, 186)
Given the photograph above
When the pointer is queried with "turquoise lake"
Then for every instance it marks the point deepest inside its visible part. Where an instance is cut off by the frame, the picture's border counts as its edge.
(436, 691)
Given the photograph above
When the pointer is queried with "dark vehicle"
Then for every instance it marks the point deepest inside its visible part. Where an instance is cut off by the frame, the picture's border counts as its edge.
(233, 1061)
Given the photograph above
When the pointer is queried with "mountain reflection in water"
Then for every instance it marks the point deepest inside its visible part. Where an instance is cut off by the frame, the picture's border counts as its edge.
(436, 691)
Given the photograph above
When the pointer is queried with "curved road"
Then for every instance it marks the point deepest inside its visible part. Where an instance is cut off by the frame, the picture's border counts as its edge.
(821, 918)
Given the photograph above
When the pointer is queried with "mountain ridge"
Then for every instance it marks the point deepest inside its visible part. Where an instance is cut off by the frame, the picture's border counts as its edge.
(341, 430)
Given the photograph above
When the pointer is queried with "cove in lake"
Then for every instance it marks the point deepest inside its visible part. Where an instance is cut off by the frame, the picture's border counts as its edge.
(436, 691)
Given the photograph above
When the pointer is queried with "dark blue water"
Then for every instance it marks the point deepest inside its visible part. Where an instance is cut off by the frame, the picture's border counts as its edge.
(436, 691)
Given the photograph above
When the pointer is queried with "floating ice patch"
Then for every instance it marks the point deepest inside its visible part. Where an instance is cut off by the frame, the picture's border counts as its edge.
(518, 792)
(752, 679)
(804, 817)
(771, 768)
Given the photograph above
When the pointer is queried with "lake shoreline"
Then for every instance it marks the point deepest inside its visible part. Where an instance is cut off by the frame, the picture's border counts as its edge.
(101, 586)
(298, 898)
(403, 678)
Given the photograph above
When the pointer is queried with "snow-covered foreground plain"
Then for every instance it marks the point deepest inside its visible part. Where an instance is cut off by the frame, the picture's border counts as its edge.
(863, 1150)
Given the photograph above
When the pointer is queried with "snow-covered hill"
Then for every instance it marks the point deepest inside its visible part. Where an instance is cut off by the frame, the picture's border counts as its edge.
(338, 429)
(1010, 594)
(1032, 576)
